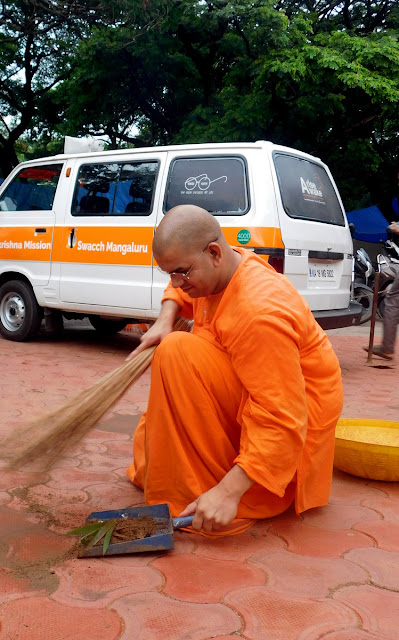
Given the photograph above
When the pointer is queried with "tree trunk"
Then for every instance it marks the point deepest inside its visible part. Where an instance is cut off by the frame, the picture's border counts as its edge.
(8, 158)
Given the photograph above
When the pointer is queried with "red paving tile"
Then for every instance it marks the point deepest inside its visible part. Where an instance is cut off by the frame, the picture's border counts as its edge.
(276, 616)
(319, 542)
(385, 535)
(5, 497)
(42, 619)
(112, 496)
(150, 616)
(9, 584)
(383, 566)
(385, 507)
(353, 635)
(338, 516)
(313, 577)
(330, 574)
(190, 578)
(93, 582)
(35, 546)
(237, 548)
(77, 478)
(377, 608)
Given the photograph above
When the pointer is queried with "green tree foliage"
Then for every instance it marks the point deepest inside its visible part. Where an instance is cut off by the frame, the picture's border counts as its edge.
(319, 75)
(37, 42)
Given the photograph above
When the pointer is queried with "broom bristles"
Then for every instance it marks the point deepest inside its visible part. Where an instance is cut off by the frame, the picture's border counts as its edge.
(49, 437)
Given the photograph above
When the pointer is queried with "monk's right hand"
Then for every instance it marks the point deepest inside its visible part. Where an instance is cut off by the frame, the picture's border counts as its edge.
(212, 510)
(161, 327)
(152, 337)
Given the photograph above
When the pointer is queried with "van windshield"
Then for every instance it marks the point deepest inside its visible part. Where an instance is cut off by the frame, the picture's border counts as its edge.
(32, 189)
(306, 190)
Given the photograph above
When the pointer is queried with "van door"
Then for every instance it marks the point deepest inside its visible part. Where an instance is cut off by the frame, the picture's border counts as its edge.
(27, 221)
(105, 248)
(314, 229)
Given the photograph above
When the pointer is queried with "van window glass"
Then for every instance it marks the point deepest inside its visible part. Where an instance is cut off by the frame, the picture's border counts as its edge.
(115, 189)
(306, 190)
(218, 185)
(32, 189)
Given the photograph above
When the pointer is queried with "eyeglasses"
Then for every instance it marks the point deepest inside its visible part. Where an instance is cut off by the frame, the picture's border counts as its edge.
(186, 274)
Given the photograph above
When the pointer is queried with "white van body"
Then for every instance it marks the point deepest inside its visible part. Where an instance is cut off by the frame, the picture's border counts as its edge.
(76, 230)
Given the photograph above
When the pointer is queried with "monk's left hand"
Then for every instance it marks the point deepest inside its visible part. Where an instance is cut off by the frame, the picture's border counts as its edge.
(212, 510)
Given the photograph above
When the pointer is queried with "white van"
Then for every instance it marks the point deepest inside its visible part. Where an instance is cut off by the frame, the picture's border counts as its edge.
(76, 230)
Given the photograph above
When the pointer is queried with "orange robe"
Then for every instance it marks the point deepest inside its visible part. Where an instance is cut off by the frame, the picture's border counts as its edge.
(256, 384)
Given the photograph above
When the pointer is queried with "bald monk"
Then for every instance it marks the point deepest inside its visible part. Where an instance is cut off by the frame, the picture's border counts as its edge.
(242, 411)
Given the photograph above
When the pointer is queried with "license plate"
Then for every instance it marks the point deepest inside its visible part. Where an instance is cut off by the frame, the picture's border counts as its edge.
(318, 272)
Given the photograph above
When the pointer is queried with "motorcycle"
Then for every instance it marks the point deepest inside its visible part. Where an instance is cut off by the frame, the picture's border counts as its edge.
(363, 282)
(364, 276)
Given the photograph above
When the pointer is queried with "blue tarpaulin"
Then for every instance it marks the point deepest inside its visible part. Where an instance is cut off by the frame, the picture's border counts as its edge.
(370, 224)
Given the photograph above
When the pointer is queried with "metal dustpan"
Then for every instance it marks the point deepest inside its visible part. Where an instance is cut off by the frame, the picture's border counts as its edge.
(161, 540)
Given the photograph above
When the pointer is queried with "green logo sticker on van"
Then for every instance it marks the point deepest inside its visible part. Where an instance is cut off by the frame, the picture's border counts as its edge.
(243, 236)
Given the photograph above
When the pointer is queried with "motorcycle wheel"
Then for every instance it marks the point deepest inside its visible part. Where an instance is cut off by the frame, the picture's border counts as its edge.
(364, 295)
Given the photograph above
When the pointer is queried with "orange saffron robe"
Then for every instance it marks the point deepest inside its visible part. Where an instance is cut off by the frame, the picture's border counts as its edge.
(256, 384)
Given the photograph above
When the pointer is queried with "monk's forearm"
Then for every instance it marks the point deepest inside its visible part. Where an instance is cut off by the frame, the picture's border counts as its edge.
(236, 482)
(168, 313)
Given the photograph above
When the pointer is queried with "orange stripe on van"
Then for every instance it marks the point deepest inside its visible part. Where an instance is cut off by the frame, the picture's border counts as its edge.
(107, 244)
(104, 245)
(24, 243)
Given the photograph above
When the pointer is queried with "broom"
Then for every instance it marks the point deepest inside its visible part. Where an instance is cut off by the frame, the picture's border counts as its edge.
(49, 437)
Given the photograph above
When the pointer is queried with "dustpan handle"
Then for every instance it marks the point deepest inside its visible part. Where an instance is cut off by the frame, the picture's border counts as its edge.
(179, 523)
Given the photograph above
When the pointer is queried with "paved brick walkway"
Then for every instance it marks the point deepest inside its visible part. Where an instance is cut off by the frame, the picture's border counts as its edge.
(332, 573)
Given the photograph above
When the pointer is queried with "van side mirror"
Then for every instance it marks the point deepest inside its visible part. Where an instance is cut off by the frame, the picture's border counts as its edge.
(352, 229)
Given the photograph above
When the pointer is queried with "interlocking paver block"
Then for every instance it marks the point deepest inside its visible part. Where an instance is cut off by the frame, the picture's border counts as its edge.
(277, 616)
(236, 548)
(347, 489)
(103, 461)
(42, 619)
(97, 583)
(385, 534)
(194, 579)
(387, 507)
(103, 497)
(78, 478)
(296, 574)
(377, 608)
(336, 516)
(149, 616)
(5, 498)
(12, 586)
(354, 635)
(316, 541)
(383, 566)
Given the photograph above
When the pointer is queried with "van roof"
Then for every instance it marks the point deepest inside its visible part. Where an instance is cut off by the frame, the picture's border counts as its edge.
(178, 147)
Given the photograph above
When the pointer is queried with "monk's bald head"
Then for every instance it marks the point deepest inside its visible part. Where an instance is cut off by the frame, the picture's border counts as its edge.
(188, 227)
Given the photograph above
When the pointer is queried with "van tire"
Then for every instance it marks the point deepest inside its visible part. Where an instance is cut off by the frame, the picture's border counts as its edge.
(20, 315)
(364, 295)
(107, 327)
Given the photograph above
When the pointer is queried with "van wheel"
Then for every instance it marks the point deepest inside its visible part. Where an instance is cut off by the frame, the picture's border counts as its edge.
(107, 327)
(20, 315)
(364, 295)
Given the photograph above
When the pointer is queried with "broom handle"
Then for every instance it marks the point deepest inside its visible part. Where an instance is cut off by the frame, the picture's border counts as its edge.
(373, 316)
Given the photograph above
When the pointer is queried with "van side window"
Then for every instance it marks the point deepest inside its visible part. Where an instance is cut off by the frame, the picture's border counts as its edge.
(32, 189)
(306, 190)
(115, 189)
(217, 184)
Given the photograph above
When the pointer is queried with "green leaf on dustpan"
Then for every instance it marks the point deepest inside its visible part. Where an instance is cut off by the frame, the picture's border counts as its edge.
(86, 529)
(92, 533)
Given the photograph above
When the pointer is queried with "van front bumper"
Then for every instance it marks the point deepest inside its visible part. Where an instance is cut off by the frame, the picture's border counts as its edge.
(337, 318)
